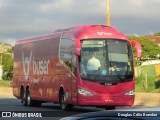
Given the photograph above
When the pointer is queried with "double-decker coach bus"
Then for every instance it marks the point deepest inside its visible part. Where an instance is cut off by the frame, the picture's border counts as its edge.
(57, 68)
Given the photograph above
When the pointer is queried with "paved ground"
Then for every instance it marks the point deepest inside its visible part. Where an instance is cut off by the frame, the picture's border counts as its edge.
(6, 92)
(9, 103)
(147, 99)
(142, 99)
(14, 105)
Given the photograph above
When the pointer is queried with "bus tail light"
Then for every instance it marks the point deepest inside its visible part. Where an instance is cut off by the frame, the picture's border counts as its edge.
(129, 93)
(84, 92)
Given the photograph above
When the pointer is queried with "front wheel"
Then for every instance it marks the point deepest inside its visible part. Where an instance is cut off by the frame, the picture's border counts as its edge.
(63, 104)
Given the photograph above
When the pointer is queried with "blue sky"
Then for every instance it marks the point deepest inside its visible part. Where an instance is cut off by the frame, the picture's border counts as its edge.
(27, 18)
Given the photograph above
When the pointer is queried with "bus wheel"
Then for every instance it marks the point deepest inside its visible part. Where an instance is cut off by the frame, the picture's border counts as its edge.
(22, 94)
(110, 107)
(28, 101)
(63, 104)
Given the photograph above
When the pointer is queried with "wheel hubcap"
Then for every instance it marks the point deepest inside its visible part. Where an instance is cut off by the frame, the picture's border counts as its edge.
(63, 101)
(28, 99)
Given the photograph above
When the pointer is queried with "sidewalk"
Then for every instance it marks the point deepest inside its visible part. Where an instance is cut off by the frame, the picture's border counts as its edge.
(6, 92)
(147, 99)
(142, 99)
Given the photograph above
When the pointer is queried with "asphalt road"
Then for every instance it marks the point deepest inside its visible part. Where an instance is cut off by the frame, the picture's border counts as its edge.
(13, 105)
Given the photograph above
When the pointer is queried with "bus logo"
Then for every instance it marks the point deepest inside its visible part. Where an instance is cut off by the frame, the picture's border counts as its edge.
(39, 67)
(26, 64)
(103, 33)
(100, 33)
(78, 49)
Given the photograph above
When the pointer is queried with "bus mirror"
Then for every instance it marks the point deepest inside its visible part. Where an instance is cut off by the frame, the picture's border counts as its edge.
(138, 47)
(78, 54)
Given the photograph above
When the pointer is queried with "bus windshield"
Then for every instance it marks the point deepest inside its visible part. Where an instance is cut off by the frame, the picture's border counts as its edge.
(106, 61)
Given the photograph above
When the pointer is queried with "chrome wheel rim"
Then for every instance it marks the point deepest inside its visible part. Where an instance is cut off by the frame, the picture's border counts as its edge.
(63, 101)
(28, 98)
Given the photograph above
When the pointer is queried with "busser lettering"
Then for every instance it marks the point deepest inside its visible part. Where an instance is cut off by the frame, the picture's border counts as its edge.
(39, 67)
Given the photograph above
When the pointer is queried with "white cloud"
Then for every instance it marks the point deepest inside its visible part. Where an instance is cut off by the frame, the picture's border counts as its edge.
(3, 4)
(137, 3)
(138, 8)
(56, 5)
(26, 18)
(11, 41)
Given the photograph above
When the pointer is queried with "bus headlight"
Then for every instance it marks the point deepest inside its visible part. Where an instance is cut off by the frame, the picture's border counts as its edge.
(84, 92)
(130, 92)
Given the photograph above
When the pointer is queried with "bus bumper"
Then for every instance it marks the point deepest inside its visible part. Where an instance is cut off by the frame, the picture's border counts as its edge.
(101, 100)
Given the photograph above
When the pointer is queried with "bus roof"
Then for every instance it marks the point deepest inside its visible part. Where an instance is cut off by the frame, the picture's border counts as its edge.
(84, 31)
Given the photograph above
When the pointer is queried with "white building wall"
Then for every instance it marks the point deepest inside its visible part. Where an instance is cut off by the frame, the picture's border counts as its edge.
(1, 72)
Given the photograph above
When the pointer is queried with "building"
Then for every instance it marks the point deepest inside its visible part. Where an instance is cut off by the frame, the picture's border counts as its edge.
(155, 39)
(1, 72)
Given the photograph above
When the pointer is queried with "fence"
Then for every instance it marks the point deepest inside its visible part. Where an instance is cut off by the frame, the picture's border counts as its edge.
(149, 70)
(148, 78)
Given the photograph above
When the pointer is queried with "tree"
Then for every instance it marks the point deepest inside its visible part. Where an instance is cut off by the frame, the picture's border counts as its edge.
(157, 34)
(149, 48)
(10, 50)
(7, 63)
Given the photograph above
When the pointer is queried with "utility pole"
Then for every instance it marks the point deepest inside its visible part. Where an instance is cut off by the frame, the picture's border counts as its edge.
(108, 13)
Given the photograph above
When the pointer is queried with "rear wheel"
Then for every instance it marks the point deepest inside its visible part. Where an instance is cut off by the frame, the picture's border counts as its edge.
(63, 104)
(22, 95)
(28, 100)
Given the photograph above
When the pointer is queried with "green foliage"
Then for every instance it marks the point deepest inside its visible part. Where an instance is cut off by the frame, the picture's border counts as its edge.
(7, 62)
(10, 50)
(144, 84)
(139, 84)
(149, 48)
(157, 34)
(147, 84)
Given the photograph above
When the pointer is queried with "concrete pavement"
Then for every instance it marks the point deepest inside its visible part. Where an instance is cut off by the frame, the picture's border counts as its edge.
(142, 99)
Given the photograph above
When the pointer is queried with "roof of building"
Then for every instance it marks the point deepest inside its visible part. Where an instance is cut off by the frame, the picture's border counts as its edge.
(155, 39)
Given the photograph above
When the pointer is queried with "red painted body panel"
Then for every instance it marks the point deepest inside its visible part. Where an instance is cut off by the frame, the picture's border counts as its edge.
(107, 95)
(45, 74)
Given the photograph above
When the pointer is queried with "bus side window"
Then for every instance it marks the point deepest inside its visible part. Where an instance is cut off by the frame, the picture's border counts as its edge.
(69, 65)
(74, 64)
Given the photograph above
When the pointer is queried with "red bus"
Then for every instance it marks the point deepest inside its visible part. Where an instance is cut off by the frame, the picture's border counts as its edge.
(56, 68)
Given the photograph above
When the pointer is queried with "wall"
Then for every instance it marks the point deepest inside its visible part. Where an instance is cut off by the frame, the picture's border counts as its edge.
(1, 72)
(149, 70)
